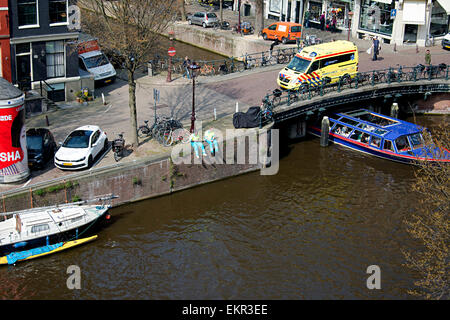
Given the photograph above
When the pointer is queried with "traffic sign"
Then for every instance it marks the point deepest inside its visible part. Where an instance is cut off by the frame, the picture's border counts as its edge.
(171, 51)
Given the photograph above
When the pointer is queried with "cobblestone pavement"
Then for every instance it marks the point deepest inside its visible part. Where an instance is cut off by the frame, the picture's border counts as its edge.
(219, 93)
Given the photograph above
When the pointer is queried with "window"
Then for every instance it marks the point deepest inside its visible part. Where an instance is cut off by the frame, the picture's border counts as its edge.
(55, 59)
(342, 130)
(296, 29)
(298, 64)
(272, 27)
(40, 228)
(57, 11)
(27, 12)
(416, 140)
(95, 137)
(314, 67)
(439, 20)
(356, 135)
(375, 142)
(402, 144)
(376, 16)
(388, 146)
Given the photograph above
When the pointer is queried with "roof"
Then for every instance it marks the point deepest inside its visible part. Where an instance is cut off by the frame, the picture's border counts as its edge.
(88, 127)
(8, 91)
(287, 23)
(395, 130)
(328, 48)
(90, 54)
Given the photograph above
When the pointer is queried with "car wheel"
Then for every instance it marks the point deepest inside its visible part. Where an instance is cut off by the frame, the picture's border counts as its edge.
(284, 40)
(189, 21)
(264, 36)
(204, 25)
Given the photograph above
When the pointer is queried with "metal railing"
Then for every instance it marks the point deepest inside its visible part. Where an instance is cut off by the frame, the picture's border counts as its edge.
(307, 90)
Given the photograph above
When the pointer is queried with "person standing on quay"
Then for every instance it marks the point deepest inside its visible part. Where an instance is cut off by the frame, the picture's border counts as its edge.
(428, 58)
(322, 21)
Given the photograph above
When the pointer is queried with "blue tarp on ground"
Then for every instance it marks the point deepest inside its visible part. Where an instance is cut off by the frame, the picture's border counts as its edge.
(15, 256)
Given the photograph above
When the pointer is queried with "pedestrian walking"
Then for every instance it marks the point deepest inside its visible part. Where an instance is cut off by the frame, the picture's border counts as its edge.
(306, 22)
(322, 21)
(428, 57)
(376, 47)
(186, 64)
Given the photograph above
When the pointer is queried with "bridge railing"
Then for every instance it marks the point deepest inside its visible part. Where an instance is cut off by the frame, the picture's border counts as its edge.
(309, 90)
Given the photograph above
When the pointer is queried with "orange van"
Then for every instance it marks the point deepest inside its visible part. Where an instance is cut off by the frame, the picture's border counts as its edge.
(283, 31)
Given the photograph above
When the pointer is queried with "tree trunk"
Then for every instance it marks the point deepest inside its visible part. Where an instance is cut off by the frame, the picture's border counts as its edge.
(182, 10)
(132, 105)
(259, 12)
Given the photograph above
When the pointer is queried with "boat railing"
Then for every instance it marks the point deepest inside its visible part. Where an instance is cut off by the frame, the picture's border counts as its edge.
(104, 199)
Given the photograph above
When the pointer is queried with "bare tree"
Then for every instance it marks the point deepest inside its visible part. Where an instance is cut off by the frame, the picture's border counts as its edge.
(131, 28)
(259, 11)
(430, 223)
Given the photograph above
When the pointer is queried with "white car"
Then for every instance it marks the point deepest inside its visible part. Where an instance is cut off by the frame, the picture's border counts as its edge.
(81, 147)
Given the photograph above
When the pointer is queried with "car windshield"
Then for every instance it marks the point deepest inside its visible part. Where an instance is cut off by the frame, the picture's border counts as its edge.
(298, 64)
(78, 139)
(96, 61)
(34, 143)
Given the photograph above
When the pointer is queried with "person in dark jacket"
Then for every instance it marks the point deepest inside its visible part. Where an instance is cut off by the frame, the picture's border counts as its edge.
(376, 48)
(322, 21)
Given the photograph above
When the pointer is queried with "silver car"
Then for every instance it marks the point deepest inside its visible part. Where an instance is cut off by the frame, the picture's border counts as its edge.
(205, 19)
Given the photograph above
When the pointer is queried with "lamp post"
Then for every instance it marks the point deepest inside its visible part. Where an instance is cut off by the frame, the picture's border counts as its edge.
(169, 73)
(349, 24)
(193, 67)
(239, 16)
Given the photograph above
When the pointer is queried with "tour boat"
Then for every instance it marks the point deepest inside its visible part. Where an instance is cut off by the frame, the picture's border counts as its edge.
(44, 226)
(382, 136)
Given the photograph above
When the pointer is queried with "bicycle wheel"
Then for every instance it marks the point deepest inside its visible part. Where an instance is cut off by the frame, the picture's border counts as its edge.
(143, 131)
(167, 137)
(276, 101)
(282, 59)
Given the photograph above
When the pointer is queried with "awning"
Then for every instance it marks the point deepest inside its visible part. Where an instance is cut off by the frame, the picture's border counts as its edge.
(445, 4)
(414, 12)
(384, 1)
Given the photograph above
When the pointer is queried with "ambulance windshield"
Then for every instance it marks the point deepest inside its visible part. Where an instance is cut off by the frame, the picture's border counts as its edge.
(299, 64)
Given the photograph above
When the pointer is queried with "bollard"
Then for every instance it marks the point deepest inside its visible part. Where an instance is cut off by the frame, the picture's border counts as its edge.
(394, 110)
(215, 114)
(395, 47)
(150, 68)
(417, 48)
(237, 106)
(325, 132)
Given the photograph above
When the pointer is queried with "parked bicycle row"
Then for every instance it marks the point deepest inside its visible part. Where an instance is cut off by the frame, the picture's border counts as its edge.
(308, 90)
(225, 66)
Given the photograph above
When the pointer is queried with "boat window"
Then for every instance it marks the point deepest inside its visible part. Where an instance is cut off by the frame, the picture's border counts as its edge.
(40, 228)
(349, 121)
(416, 140)
(342, 130)
(76, 219)
(356, 135)
(388, 146)
(402, 144)
(365, 137)
(375, 142)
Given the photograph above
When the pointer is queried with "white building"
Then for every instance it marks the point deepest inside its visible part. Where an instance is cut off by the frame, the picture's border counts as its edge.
(395, 21)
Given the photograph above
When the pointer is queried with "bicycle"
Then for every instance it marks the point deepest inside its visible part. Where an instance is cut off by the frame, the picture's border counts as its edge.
(181, 135)
(207, 70)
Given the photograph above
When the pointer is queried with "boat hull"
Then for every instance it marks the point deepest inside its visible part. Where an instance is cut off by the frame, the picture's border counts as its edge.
(62, 247)
(68, 235)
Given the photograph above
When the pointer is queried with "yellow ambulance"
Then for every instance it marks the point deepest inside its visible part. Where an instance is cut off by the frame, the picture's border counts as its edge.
(326, 61)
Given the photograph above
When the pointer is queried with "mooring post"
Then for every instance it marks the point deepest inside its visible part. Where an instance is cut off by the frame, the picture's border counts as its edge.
(394, 110)
(325, 132)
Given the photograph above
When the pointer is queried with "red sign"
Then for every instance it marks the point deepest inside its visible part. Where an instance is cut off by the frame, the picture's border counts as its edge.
(171, 51)
(12, 143)
(87, 46)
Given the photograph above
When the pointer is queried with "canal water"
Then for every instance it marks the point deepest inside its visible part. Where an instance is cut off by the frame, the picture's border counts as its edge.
(309, 232)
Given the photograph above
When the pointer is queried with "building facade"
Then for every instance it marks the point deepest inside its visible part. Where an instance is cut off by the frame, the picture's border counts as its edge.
(5, 51)
(394, 21)
(43, 46)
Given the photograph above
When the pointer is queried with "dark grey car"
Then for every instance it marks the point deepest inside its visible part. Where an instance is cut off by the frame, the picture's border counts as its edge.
(205, 19)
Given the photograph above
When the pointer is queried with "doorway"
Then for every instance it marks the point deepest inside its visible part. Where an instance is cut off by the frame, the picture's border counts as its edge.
(23, 68)
(410, 35)
(247, 9)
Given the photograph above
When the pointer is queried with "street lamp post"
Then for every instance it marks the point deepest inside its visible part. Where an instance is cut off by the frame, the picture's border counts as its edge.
(193, 67)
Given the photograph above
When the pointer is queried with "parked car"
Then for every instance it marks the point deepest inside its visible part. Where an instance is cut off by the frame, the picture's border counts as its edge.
(204, 19)
(41, 147)
(446, 41)
(283, 31)
(81, 147)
